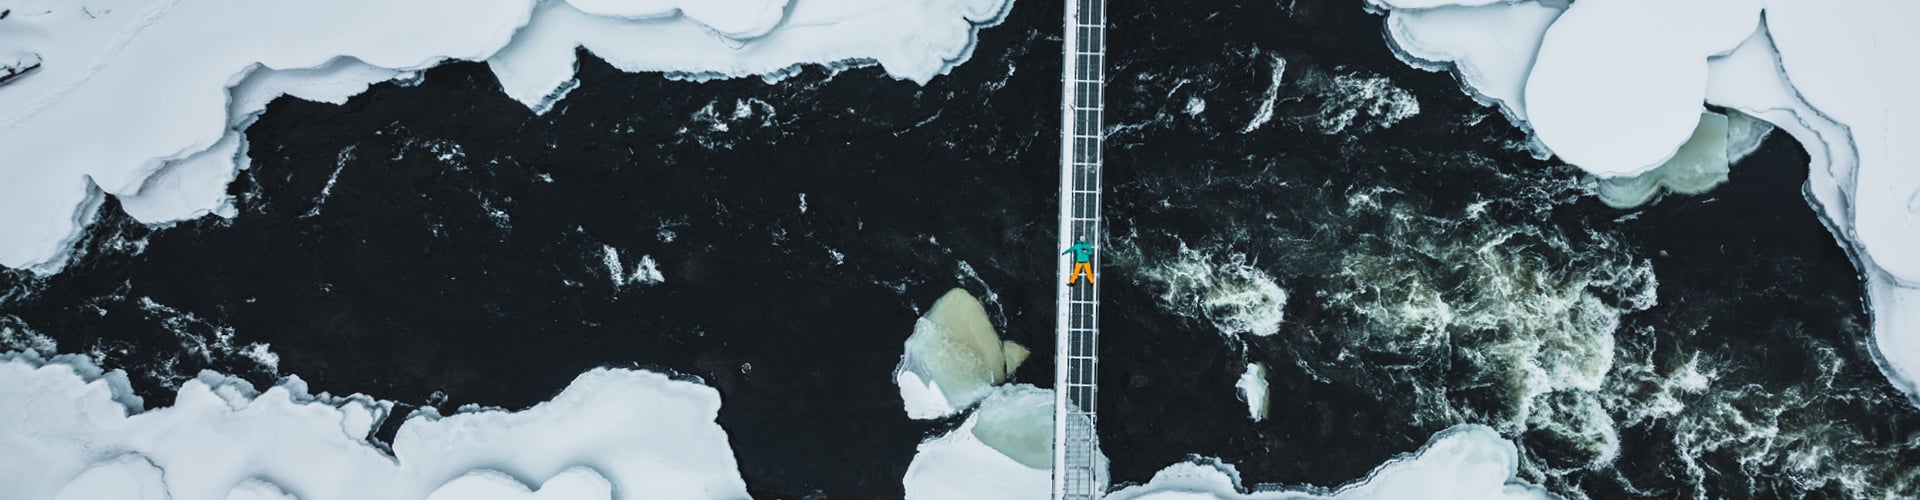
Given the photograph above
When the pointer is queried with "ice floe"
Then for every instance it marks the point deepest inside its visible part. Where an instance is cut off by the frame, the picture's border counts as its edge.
(953, 358)
(1606, 97)
(1489, 48)
(138, 99)
(1253, 390)
(1004, 450)
(1616, 88)
(1464, 462)
(1701, 164)
(578, 483)
(75, 431)
(1698, 166)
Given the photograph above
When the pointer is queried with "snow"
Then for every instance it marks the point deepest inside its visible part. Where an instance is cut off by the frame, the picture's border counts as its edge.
(577, 483)
(1002, 451)
(1489, 48)
(16, 64)
(1606, 97)
(128, 477)
(1466, 462)
(732, 18)
(1698, 166)
(912, 41)
(1615, 88)
(70, 427)
(923, 398)
(144, 100)
(958, 466)
(254, 489)
(1427, 4)
(1852, 60)
(1895, 323)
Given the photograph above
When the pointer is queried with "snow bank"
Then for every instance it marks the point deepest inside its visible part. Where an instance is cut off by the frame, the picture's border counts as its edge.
(1853, 61)
(1615, 88)
(733, 18)
(1489, 48)
(144, 100)
(577, 483)
(1424, 4)
(127, 477)
(912, 41)
(1003, 451)
(953, 358)
(71, 429)
(1466, 462)
(1607, 97)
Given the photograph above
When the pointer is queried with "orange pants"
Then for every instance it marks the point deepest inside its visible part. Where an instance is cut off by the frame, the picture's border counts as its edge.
(1077, 268)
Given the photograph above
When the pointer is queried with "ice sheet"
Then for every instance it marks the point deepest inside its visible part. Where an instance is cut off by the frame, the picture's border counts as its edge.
(1853, 61)
(1004, 450)
(1614, 86)
(1617, 86)
(1490, 48)
(1253, 390)
(67, 426)
(954, 353)
(144, 99)
(1698, 166)
(577, 483)
(1464, 462)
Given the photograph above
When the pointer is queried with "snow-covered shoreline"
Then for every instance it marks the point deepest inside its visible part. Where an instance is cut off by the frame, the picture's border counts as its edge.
(1826, 73)
(76, 431)
(146, 100)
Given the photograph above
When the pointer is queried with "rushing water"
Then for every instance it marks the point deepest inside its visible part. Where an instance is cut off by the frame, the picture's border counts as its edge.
(1282, 191)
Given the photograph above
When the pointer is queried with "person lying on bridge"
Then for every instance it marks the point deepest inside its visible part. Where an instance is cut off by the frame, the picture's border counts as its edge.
(1082, 260)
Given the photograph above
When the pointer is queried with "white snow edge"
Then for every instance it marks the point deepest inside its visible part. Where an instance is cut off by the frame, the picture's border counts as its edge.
(1463, 462)
(1835, 75)
(134, 99)
(72, 430)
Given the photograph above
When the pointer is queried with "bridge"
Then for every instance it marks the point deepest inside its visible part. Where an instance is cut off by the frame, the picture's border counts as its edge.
(1077, 325)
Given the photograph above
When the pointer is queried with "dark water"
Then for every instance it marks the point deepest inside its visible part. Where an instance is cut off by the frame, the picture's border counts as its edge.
(460, 252)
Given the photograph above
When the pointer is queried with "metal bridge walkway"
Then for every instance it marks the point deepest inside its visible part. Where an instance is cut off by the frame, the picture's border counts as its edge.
(1077, 328)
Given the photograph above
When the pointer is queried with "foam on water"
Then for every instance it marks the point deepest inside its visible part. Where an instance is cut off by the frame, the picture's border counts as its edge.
(1516, 309)
(1228, 290)
(1456, 317)
(1791, 433)
(1350, 96)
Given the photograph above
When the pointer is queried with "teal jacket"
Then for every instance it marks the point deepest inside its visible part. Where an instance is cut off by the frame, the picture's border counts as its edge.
(1081, 251)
